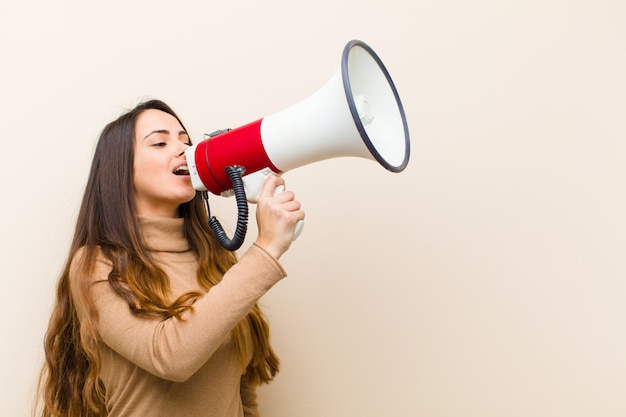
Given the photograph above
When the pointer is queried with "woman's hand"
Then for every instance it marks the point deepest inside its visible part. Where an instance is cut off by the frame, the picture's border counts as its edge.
(277, 214)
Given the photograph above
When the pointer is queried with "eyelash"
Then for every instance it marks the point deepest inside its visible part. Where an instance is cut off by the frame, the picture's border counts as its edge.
(162, 144)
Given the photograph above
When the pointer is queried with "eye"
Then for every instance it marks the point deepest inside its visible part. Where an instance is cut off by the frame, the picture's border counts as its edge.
(159, 144)
(184, 138)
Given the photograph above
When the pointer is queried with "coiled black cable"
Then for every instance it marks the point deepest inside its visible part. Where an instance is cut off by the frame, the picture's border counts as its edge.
(235, 173)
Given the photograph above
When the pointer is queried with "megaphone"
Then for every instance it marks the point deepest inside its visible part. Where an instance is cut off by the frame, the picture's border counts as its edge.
(357, 113)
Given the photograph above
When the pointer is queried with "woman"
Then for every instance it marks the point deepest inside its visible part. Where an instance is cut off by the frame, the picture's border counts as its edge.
(153, 317)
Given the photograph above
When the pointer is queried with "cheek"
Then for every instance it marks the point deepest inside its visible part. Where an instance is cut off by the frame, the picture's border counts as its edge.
(141, 173)
(144, 166)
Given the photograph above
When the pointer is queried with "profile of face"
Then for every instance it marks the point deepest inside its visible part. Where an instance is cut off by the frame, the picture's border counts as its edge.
(161, 178)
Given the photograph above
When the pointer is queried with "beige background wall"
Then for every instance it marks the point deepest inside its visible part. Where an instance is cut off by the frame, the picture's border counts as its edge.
(488, 279)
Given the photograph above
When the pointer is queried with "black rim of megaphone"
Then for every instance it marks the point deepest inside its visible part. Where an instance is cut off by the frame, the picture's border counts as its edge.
(355, 114)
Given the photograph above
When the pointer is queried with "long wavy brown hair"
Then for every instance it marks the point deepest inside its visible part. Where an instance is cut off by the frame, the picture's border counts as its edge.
(107, 224)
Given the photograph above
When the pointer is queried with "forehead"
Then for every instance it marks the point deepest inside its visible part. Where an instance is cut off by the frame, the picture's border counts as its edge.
(153, 119)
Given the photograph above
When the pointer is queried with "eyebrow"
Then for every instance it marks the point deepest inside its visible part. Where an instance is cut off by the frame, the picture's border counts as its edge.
(182, 132)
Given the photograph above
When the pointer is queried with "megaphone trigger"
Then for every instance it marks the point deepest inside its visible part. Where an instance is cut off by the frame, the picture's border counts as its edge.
(253, 183)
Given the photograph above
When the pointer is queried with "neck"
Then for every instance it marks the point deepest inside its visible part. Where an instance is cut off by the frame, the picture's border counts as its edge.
(161, 210)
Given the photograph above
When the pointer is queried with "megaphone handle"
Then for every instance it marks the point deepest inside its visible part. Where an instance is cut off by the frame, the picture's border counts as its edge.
(254, 182)
(298, 229)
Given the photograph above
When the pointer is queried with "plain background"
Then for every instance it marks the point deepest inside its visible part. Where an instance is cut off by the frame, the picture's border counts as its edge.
(488, 279)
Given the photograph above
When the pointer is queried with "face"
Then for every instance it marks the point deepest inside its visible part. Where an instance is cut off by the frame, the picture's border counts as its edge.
(160, 176)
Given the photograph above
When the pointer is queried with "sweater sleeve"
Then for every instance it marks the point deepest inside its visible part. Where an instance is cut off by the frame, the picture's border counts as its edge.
(175, 348)
(249, 398)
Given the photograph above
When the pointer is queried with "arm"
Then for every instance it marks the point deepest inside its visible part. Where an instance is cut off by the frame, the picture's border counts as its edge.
(176, 348)
(249, 398)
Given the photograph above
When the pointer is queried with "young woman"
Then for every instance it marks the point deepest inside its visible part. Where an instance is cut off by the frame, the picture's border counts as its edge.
(153, 317)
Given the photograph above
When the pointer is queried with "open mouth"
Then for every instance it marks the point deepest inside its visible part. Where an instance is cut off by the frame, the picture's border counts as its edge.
(181, 170)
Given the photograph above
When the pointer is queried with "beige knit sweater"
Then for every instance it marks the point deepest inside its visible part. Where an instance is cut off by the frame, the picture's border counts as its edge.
(153, 367)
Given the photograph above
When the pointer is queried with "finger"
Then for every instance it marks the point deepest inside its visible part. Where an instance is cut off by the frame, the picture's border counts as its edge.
(297, 215)
(279, 189)
(270, 184)
(284, 196)
(292, 205)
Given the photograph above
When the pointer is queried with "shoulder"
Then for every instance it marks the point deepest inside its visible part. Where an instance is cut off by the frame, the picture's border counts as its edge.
(89, 264)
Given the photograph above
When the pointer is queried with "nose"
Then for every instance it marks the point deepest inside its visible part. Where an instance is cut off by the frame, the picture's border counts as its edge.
(185, 147)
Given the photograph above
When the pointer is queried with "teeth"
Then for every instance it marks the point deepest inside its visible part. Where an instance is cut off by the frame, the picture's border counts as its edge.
(182, 168)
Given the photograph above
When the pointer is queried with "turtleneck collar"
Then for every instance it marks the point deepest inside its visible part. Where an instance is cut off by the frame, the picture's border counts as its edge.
(164, 234)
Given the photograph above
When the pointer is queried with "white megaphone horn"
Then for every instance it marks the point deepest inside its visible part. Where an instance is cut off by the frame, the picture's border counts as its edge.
(357, 113)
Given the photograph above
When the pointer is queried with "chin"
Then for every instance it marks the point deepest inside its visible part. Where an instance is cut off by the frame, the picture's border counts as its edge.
(190, 197)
